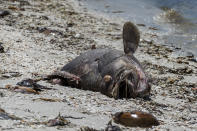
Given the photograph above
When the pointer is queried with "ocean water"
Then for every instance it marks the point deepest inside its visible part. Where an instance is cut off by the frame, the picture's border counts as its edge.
(175, 20)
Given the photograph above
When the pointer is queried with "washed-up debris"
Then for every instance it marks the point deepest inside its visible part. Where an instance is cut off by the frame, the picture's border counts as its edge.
(48, 99)
(1, 48)
(193, 59)
(44, 30)
(153, 28)
(141, 25)
(5, 116)
(44, 17)
(9, 74)
(195, 89)
(32, 84)
(164, 69)
(4, 13)
(13, 8)
(28, 86)
(118, 11)
(93, 47)
(181, 70)
(22, 89)
(24, 3)
(69, 12)
(47, 31)
(58, 121)
(135, 119)
(111, 127)
(86, 128)
(70, 24)
(114, 73)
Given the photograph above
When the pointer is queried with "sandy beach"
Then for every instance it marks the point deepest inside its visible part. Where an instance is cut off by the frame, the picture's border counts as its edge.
(39, 36)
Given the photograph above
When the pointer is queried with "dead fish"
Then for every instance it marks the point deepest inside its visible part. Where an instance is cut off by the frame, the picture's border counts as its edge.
(112, 72)
(135, 119)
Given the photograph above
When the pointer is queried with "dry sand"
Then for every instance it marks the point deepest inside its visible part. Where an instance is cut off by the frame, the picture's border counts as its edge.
(40, 36)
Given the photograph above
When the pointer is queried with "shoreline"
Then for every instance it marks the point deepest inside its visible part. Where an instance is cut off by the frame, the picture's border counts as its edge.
(48, 34)
(152, 18)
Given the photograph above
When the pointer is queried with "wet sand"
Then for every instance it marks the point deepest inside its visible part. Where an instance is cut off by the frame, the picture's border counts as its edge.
(42, 35)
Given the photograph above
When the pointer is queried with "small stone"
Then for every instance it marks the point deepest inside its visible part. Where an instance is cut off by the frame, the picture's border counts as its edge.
(1, 48)
(1, 94)
(77, 36)
(4, 13)
(93, 47)
(71, 24)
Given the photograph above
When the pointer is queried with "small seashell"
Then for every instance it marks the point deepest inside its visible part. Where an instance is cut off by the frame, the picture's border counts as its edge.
(135, 119)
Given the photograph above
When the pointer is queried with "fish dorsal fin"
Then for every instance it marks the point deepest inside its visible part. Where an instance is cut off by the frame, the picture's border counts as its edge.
(131, 37)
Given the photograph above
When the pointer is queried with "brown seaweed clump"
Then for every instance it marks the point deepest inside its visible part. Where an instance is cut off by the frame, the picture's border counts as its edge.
(5, 116)
(58, 121)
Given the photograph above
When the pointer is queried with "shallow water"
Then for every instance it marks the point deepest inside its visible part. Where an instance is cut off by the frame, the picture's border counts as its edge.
(175, 20)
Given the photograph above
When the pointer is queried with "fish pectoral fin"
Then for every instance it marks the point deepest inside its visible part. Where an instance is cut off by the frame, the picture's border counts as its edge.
(131, 37)
(115, 91)
(67, 75)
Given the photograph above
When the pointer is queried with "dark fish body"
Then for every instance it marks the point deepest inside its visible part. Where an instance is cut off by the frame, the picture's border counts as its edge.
(112, 72)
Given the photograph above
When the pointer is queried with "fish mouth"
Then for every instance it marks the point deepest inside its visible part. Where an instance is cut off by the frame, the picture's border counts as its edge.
(124, 87)
(130, 85)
